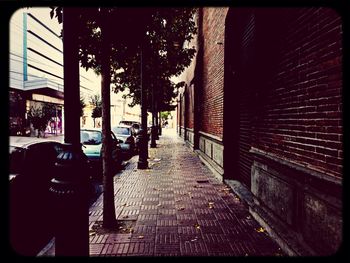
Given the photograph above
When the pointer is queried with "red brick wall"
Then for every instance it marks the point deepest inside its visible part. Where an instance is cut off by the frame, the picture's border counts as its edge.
(301, 113)
(189, 104)
(182, 113)
(178, 114)
(211, 99)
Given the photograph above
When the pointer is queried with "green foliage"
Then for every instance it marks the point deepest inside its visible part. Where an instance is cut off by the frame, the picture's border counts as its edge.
(95, 100)
(165, 115)
(163, 58)
(40, 116)
(164, 34)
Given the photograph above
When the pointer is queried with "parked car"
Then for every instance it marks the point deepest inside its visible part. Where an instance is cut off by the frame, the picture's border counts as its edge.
(91, 140)
(126, 134)
(30, 202)
(129, 123)
(18, 130)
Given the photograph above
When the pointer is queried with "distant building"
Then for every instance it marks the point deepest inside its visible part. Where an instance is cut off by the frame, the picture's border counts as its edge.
(36, 67)
(120, 110)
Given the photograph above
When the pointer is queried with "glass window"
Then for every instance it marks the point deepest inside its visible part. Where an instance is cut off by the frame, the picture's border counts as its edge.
(90, 137)
(121, 130)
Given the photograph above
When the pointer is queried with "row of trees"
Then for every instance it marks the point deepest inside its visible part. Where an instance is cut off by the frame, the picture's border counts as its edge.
(133, 49)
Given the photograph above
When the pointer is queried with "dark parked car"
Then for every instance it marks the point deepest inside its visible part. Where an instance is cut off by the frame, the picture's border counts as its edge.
(30, 203)
(126, 135)
(92, 147)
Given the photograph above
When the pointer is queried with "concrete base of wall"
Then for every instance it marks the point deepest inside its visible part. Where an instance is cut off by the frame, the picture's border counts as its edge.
(211, 152)
(286, 239)
(299, 207)
(214, 168)
(301, 201)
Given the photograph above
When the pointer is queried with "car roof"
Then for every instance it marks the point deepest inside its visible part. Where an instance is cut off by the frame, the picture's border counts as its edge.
(28, 144)
(91, 129)
(131, 122)
(122, 126)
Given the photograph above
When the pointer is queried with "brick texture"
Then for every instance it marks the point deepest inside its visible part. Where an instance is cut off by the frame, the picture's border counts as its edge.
(300, 118)
(190, 106)
(211, 99)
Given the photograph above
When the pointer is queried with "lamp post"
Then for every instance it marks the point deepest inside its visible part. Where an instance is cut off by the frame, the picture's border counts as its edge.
(154, 127)
(143, 145)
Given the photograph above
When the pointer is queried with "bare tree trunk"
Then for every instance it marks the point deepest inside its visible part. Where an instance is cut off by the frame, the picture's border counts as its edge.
(109, 217)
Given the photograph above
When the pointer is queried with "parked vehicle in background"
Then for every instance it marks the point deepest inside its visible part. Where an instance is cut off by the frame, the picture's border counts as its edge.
(126, 134)
(129, 123)
(18, 130)
(31, 205)
(92, 147)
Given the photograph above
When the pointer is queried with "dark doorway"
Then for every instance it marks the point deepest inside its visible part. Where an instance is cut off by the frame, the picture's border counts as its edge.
(252, 41)
(238, 90)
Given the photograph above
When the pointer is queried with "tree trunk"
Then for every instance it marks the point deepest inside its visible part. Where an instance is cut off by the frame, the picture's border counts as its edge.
(109, 217)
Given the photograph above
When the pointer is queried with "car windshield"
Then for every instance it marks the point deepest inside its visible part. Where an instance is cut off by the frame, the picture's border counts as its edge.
(121, 130)
(90, 137)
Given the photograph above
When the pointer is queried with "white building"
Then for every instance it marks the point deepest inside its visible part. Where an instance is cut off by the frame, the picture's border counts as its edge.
(36, 73)
(36, 66)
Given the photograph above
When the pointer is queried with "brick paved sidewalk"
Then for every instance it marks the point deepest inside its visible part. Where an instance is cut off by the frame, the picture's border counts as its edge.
(176, 208)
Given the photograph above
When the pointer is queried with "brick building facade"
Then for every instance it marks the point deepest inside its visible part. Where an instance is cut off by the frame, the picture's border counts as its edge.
(263, 109)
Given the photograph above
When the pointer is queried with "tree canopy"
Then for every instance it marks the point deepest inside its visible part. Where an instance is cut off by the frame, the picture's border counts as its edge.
(166, 53)
(164, 33)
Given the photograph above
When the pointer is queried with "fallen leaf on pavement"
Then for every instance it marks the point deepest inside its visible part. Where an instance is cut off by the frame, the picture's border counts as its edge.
(260, 230)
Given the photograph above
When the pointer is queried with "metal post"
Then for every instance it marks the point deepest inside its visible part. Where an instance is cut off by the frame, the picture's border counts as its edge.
(154, 128)
(69, 186)
(143, 154)
(159, 125)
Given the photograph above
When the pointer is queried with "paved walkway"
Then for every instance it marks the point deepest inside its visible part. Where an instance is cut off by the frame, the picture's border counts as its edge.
(176, 208)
